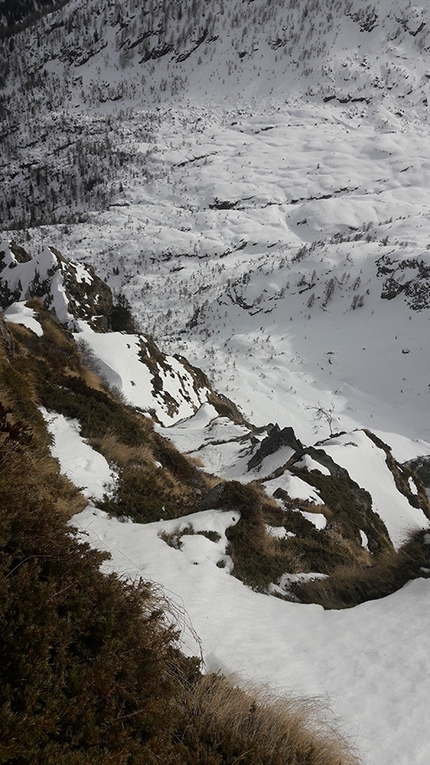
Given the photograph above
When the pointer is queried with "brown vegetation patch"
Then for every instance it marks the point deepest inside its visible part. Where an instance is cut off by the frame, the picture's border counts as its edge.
(354, 583)
(228, 725)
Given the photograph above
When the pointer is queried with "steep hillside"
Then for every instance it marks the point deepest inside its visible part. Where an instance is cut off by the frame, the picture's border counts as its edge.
(80, 73)
(215, 275)
(338, 49)
(91, 669)
(301, 509)
(166, 386)
(324, 537)
(16, 15)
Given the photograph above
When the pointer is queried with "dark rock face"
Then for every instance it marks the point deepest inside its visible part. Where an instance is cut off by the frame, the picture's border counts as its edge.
(421, 467)
(214, 498)
(276, 439)
(89, 299)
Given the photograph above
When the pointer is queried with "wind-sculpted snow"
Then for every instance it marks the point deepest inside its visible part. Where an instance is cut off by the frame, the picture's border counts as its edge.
(369, 469)
(157, 384)
(364, 661)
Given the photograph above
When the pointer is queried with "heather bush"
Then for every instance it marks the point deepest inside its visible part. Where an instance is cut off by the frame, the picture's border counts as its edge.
(86, 662)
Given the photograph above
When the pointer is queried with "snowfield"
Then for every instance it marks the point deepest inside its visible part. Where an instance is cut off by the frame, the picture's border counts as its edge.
(368, 664)
(265, 261)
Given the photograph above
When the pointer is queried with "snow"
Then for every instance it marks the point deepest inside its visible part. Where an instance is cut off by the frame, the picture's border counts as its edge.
(412, 485)
(372, 473)
(287, 579)
(119, 358)
(85, 467)
(60, 302)
(19, 313)
(367, 663)
(278, 299)
(273, 461)
(279, 532)
(82, 274)
(280, 358)
(404, 449)
(295, 487)
(310, 463)
(317, 519)
(216, 441)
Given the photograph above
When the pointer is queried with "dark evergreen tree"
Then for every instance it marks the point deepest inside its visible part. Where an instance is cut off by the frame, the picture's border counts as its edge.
(121, 317)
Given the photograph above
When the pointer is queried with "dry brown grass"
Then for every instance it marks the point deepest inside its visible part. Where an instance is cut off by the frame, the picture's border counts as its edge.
(196, 461)
(69, 506)
(92, 379)
(49, 482)
(349, 585)
(355, 555)
(36, 303)
(211, 481)
(254, 727)
(53, 332)
(115, 451)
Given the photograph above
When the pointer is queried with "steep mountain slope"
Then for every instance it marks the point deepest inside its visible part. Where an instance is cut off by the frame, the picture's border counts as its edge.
(91, 670)
(324, 528)
(337, 49)
(251, 180)
(107, 60)
(166, 386)
(359, 499)
(286, 219)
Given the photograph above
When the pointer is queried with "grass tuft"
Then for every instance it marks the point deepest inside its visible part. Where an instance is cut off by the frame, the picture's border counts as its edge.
(229, 725)
(349, 585)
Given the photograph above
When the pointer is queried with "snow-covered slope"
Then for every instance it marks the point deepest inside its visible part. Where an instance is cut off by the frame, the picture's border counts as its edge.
(291, 264)
(166, 387)
(334, 49)
(254, 178)
(366, 663)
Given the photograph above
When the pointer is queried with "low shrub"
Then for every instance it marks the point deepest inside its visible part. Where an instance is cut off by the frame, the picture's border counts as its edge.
(148, 495)
(174, 538)
(258, 558)
(85, 674)
(324, 550)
